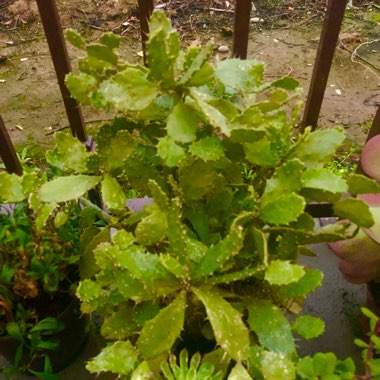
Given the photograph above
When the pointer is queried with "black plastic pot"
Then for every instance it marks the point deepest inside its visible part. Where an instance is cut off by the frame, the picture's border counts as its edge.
(72, 340)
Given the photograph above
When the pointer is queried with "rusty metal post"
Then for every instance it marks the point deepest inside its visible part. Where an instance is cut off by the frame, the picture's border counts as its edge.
(53, 31)
(7, 151)
(146, 8)
(325, 54)
(241, 28)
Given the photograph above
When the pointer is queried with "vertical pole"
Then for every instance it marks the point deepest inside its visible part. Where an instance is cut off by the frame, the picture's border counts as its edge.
(325, 54)
(241, 28)
(53, 31)
(145, 9)
(7, 151)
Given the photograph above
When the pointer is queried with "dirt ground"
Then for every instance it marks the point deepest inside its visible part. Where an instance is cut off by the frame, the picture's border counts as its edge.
(284, 36)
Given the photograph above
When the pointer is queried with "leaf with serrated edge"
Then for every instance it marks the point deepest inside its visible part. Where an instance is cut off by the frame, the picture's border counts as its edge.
(308, 327)
(355, 210)
(183, 123)
(271, 326)
(65, 189)
(323, 179)
(113, 194)
(283, 272)
(119, 358)
(159, 334)
(207, 149)
(239, 373)
(11, 188)
(360, 184)
(229, 329)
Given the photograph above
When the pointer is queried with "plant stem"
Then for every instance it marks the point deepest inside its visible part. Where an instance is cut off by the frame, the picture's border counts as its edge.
(99, 212)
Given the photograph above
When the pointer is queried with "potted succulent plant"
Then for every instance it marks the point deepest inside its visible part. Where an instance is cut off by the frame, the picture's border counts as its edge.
(39, 254)
(209, 264)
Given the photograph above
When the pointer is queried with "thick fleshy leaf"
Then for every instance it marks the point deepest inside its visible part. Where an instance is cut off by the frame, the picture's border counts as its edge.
(142, 372)
(110, 39)
(68, 153)
(119, 358)
(11, 188)
(240, 75)
(75, 39)
(211, 114)
(287, 83)
(318, 148)
(307, 284)
(102, 52)
(174, 266)
(360, 184)
(229, 329)
(207, 149)
(170, 152)
(308, 327)
(277, 366)
(81, 86)
(239, 373)
(287, 178)
(65, 189)
(153, 228)
(324, 179)
(355, 210)
(196, 61)
(43, 215)
(129, 90)
(219, 254)
(260, 153)
(162, 52)
(282, 209)
(119, 324)
(197, 179)
(271, 326)
(159, 334)
(182, 123)
(113, 194)
(283, 272)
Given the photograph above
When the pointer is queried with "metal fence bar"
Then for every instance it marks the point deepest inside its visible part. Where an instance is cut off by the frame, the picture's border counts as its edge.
(145, 9)
(7, 151)
(241, 28)
(53, 31)
(325, 54)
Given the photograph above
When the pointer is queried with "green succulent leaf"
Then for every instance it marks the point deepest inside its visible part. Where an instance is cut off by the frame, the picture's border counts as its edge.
(217, 255)
(159, 334)
(324, 179)
(65, 189)
(229, 329)
(207, 149)
(129, 90)
(239, 373)
(170, 152)
(11, 189)
(81, 86)
(355, 210)
(183, 123)
(113, 194)
(277, 366)
(110, 40)
(308, 327)
(282, 209)
(260, 153)
(119, 358)
(43, 215)
(119, 324)
(240, 75)
(271, 326)
(360, 184)
(142, 372)
(75, 39)
(287, 83)
(102, 52)
(311, 280)
(318, 148)
(281, 272)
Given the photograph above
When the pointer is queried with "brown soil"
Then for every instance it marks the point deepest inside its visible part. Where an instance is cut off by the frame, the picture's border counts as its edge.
(286, 38)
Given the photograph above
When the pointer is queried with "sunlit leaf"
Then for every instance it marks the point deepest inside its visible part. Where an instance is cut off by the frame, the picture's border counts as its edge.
(355, 210)
(308, 327)
(159, 334)
(113, 194)
(11, 188)
(65, 189)
(229, 330)
(283, 272)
